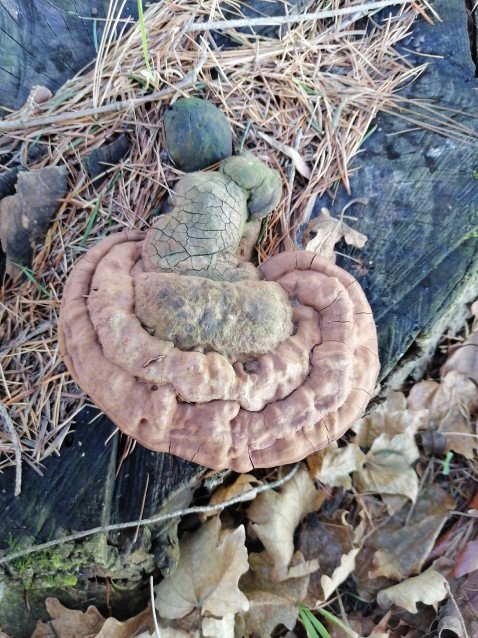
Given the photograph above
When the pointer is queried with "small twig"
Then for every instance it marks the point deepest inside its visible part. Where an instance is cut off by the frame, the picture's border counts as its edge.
(358, 9)
(153, 520)
(9, 425)
(457, 610)
(27, 122)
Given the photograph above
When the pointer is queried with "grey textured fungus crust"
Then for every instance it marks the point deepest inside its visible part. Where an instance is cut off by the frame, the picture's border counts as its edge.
(201, 233)
(272, 410)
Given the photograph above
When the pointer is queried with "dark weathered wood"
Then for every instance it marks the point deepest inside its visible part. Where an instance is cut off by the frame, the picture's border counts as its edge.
(47, 42)
(79, 490)
(422, 191)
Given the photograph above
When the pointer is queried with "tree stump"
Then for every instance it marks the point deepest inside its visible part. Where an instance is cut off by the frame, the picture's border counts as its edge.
(418, 267)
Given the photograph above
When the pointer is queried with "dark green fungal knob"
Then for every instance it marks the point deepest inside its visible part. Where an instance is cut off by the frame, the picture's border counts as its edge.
(197, 134)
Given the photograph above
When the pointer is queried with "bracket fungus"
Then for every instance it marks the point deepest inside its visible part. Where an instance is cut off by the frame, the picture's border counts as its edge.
(191, 351)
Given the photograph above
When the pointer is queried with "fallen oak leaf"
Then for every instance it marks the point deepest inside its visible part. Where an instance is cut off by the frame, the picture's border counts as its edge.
(399, 546)
(449, 403)
(466, 561)
(329, 231)
(223, 627)
(72, 623)
(451, 625)
(387, 467)
(67, 623)
(125, 629)
(210, 565)
(339, 575)
(336, 543)
(428, 588)
(333, 465)
(271, 603)
(275, 515)
(463, 356)
(26, 216)
(455, 389)
(243, 483)
(392, 418)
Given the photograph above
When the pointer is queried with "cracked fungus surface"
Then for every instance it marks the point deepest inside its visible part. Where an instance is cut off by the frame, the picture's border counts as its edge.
(193, 352)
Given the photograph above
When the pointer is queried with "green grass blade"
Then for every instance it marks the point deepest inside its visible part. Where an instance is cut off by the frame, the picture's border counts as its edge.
(446, 464)
(143, 37)
(91, 221)
(29, 275)
(246, 133)
(326, 614)
(311, 633)
(313, 626)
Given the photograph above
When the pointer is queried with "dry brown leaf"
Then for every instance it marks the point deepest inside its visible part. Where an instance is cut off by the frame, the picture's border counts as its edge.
(464, 357)
(450, 404)
(68, 623)
(394, 502)
(428, 588)
(455, 389)
(333, 465)
(115, 629)
(392, 417)
(242, 484)
(421, 395)
(400, 544)
(329, 231)
(387, 467)
(404, 542)
(275, 515)
(341, 573)
(223, 627)
(170, 632)
(271, 603)
(459, 433)
(336, 544)
(209, 568)
(71, 623)
(466, 560)
(380, 630)
(450, 624)
(26, 216)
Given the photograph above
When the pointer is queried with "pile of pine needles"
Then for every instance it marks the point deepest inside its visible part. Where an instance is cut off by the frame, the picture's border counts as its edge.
(303, 101)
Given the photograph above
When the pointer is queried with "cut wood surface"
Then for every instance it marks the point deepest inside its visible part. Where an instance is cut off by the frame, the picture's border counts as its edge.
(421, 259)
(46, 43)
(88, 486)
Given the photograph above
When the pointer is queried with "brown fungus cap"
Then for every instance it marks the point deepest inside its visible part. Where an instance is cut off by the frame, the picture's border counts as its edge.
(260, 410)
